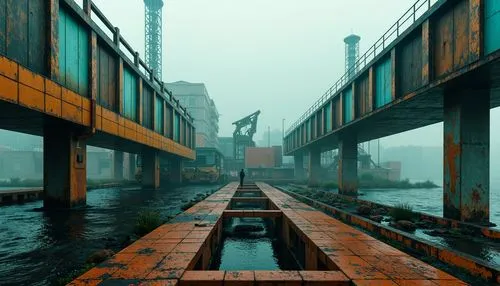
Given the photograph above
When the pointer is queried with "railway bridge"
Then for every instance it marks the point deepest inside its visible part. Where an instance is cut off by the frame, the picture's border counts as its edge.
(438, 63)
(79, 83)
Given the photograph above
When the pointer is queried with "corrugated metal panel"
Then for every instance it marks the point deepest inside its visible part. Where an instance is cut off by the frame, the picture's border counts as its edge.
(308, 130)
(362, 96)
(348, 102)
(106, 79)
(147, 107)
(383, 83)
(328, 117)
(73, 54)
(176, 127)
(159, 114)
(491, 26)
(129, 94)
(23, 32)
(410, 65)
(168, 127)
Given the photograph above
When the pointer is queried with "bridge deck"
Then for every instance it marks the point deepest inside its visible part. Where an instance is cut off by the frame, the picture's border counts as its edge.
(177, 251)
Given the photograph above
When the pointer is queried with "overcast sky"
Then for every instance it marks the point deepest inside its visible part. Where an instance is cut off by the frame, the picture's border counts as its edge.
(278, 56)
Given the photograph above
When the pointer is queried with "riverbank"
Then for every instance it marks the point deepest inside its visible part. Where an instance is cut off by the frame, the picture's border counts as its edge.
(369, 182)
(38, 183)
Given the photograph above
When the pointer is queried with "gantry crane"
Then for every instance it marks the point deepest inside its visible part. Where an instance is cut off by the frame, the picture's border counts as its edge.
(243, 134)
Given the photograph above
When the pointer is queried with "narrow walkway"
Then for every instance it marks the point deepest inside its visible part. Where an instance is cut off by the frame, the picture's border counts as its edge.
(179, 253)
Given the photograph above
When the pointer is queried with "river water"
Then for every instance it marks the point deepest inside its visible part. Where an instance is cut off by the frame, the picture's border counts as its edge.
(428, 201)
(38, 247)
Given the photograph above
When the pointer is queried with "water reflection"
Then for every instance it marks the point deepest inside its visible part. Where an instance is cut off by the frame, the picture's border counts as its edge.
(36, 247)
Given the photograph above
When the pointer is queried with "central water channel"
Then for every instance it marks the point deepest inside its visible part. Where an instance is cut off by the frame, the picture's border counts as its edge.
(36, 248)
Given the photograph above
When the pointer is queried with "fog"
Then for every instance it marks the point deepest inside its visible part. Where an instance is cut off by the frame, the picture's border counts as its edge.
(277, 56)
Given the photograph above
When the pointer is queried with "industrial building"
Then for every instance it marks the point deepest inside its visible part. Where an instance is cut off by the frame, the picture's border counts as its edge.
(194, 96)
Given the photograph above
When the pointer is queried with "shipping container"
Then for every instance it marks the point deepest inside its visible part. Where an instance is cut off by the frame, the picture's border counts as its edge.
(259, 157)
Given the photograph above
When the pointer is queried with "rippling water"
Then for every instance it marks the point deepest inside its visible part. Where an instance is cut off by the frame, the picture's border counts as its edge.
(37, 247)
(428, 200)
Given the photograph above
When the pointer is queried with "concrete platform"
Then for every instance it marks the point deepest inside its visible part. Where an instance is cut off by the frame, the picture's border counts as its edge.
(20, 195)
(179, 252)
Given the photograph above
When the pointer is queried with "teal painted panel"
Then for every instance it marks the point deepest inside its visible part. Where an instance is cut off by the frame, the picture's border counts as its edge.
(62, 46)
(491, 26)
(177, 127)
(328, 117)
(73, 54)
(348, 104)
(383, 84)
(147, 108)
(129, 95)
(308, 130)
(159, 115)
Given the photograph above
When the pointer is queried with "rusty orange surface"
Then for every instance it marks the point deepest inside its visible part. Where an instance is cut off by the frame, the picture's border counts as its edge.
(170, 252)
(24, 87)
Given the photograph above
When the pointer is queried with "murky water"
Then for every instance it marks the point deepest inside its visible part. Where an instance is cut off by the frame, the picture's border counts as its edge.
(252, 244)
(428, 200)
(38, 247)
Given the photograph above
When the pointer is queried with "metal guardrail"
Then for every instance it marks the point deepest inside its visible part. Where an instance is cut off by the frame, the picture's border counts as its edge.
(118, 39)
(402, 24)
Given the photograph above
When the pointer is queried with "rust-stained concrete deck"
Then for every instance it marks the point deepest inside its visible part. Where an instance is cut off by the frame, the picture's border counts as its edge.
(177, 253)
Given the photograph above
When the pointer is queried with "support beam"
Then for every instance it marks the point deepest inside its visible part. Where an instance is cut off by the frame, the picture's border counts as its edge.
(150, 169)
(314, 166)
(298, 160)
(65, 168)
(118, 165)
(131, 166)
(175, 171)
(466, 156)
(348, 165)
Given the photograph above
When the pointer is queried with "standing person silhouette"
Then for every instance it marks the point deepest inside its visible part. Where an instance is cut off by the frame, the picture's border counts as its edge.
(242, 176)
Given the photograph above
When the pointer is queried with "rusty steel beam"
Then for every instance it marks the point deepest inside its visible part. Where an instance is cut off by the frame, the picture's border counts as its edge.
(53, 40)
(348, 165)
(466, 156)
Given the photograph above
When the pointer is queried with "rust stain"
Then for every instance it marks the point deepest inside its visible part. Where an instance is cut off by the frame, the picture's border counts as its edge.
(476, 196)
(452, 151)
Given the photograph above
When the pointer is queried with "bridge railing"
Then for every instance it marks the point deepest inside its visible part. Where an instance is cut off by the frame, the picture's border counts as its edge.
(400, 26)
(133, 55)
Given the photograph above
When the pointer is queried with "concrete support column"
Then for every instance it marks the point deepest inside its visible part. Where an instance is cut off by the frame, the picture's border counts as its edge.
(466, 156)
(150, 169)
(65, 168)
(348, 165)
(175, 171)
(131, 166)
(118, 165)
(314, 166)
(298, 160)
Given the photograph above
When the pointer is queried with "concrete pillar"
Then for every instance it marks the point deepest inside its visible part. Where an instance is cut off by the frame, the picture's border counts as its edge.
(348, 165)
(65, 168)
(150, 169)
(298, 160)
(131, 166)
(466, 156)
(118, 165)
(175, 171)
(314, 166)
